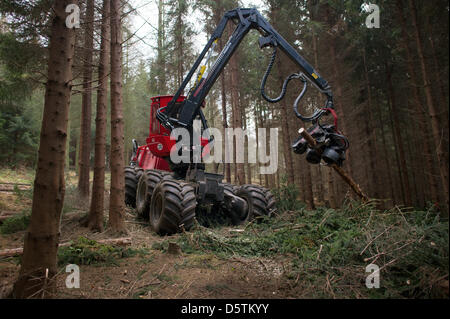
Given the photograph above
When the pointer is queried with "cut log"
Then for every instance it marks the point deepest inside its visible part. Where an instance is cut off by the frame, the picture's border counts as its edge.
(351, 182)
(11, 252)
(355, 187)
(124, 241)
(6, 215)
(9, 187)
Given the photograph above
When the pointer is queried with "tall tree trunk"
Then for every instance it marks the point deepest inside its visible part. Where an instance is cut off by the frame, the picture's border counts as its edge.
(86, 103)
(396, 152)
(117, 195)
(95, 217)
(309, 196)
(227, 166)
(443, 97)
(435, 125)
(337, 84)
(370, 131)
(162, 85)
(180, 44)
(287, 153)
(387, 166)
(398, 138)
(248, 164)
(417, 102)
(39, 261)
(218, 11)
(266, 125)
(237, 118)
(258, 124)
(317, 169)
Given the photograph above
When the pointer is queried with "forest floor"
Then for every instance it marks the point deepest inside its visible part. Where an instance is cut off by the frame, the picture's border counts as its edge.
(297, 254)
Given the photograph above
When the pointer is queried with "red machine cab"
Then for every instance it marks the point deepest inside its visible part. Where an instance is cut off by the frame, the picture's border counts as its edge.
(158, 143)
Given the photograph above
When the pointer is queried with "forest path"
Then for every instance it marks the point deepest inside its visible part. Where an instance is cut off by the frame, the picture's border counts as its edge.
(159, 274)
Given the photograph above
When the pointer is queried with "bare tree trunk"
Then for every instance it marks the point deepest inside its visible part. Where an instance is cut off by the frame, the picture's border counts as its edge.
(258, 124)
(248, 164)
(117, 195)
(372, 137)
(39, 262)
(387, 165)
(317, 169)
(95, 217)
(443, 98)
(398, 138)
(287, 153)
(332, 44)
(162, 81)
(86, 104)
(227, 166)
(435, 125)
(309, 196)
(421, 120)
(180, 40)
(237, 118)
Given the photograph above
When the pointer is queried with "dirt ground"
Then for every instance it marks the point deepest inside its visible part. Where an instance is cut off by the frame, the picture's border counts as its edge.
(159, 274)
(155, 275)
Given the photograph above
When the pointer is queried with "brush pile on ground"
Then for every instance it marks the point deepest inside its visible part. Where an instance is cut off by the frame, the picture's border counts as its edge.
(329, 249)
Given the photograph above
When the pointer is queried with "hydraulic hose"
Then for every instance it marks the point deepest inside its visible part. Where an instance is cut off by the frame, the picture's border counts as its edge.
(300, 76)
(285, 83)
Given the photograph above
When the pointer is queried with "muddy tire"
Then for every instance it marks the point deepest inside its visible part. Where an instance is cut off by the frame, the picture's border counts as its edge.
(132, 175)
(230, 188)
(172, 207)
(260, 200)
(147, 183)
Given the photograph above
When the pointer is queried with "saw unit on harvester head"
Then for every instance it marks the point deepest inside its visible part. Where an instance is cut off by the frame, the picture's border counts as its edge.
(169, 194)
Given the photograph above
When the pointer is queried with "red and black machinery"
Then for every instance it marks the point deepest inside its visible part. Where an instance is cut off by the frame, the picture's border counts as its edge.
(170, 193)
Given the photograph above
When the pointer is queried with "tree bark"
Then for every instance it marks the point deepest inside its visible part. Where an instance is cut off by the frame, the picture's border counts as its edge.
(370, 131)
(227, 166)
(417, 102)
(39, 262)
(86, 103)
(95, 217)
(237, 118)
(162, 81)
(398, 138)
(248, 174)
(117, 195)
(435, 125)
(337, 85)
(287, 153)
(387, 165)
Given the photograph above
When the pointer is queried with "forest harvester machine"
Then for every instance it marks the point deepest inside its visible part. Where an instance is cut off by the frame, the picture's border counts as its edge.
(170, 194)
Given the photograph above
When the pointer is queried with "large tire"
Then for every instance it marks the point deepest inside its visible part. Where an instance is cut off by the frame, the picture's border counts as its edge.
(261, 202)
(132, 175)
(172, 207)
(147, 183)
(230, 188)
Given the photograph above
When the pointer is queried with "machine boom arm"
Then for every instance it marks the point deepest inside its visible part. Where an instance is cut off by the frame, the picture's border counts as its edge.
(183, 115)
